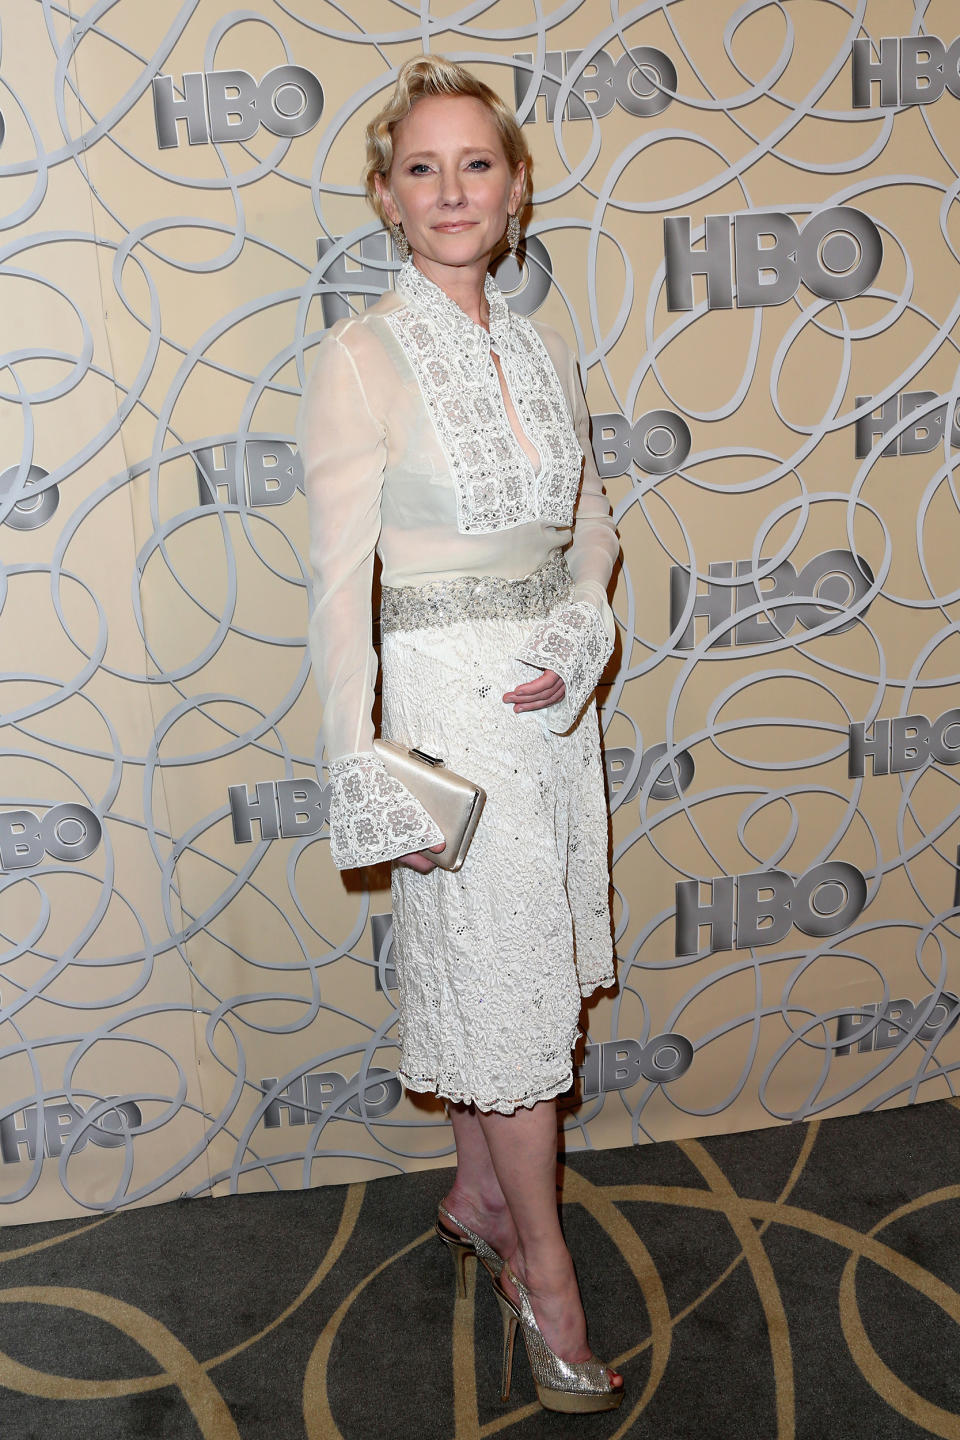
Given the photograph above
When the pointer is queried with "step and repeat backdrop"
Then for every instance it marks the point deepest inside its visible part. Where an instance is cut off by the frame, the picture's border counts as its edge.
(747, 223)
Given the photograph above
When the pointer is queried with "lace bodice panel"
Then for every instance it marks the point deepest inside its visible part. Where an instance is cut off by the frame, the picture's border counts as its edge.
(495, 483)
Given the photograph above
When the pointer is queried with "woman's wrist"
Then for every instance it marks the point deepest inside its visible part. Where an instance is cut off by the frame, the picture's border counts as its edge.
(573, 642)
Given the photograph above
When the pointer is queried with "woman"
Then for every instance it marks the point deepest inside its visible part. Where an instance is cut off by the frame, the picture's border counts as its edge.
(453, 438)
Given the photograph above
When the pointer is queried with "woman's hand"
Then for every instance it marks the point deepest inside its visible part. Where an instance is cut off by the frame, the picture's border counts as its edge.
(537, 694)
(420, 859)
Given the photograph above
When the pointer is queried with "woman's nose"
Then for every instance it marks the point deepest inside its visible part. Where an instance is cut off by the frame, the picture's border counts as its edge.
(451, 188)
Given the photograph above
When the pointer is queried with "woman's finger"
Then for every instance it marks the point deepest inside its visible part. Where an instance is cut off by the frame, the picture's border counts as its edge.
(416, 861)
(534, 689)
(541, 704)
(537, 702)
(539, 682)
(419, 859)
(541, 701)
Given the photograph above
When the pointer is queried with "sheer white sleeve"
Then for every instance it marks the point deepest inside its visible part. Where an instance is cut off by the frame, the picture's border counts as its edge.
(342, 447)
(343, 450)
(577, 640)
(596, 545)
(372, 816)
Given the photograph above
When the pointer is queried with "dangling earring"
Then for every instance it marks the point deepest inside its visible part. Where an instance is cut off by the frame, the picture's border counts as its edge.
(401, 244)
(513, 234)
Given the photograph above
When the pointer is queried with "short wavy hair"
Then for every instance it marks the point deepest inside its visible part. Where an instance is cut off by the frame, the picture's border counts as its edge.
(435, 75)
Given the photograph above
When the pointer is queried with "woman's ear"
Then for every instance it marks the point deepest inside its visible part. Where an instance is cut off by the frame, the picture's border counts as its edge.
(386, 199)
(516, 189)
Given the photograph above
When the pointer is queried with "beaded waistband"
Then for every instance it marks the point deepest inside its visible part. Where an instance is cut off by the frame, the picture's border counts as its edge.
(476, 597)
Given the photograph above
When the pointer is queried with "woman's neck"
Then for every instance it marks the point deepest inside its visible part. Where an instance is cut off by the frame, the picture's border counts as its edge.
(463, 284)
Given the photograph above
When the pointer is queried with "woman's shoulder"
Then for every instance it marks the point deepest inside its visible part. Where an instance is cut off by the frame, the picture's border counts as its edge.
(365, 336)
(561, 353)
(557, 345)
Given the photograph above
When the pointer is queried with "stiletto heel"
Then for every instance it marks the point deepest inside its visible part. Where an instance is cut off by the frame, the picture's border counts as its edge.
(465, 1245)
(460, 1252)
(571, 1386)
(509, 1336)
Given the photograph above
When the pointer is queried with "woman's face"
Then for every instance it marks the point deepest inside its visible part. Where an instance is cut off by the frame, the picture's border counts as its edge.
(450, 185)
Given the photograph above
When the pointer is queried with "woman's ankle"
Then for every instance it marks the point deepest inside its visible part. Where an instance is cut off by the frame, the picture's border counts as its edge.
(465, 1202)
(484, 1212)
(556, 1305)
(546, 1268)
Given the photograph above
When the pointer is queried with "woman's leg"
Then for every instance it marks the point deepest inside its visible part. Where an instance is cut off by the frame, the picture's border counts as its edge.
(475, 1196)
(523, 1147)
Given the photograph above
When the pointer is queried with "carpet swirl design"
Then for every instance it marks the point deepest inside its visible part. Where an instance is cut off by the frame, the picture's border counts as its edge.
(799, 1282)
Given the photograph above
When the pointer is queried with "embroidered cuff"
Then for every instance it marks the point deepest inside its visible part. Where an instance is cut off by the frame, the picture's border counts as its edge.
(573, 642)
(372, 816)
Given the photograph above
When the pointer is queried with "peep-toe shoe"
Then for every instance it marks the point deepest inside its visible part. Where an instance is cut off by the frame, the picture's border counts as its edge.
(566, 1385)
(464, 1246)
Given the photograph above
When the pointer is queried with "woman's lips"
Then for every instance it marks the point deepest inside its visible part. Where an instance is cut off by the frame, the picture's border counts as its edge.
(454, 225)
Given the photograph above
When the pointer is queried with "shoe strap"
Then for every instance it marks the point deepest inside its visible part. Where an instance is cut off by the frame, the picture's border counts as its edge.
(457, 1224)
(483, 1250)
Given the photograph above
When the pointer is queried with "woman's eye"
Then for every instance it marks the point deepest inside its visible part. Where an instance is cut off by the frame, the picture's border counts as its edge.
(484, 164)
(418, 168)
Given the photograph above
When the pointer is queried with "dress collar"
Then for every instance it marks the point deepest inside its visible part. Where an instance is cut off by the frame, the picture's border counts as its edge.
(428, 298)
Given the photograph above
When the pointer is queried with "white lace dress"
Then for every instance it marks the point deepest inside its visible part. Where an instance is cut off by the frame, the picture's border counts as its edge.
(408, 451)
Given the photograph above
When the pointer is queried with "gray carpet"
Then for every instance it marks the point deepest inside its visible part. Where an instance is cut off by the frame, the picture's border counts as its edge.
(796, 1282)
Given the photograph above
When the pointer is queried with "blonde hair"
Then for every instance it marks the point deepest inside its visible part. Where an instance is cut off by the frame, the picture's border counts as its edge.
(435, 75)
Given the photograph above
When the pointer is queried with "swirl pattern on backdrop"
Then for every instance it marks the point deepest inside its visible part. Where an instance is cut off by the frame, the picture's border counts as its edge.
(758, 268)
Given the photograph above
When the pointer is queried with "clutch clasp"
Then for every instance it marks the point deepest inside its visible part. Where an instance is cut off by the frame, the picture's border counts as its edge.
(429, 759)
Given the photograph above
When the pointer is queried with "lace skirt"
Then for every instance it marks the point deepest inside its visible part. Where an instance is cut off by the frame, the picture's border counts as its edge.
(492, 960)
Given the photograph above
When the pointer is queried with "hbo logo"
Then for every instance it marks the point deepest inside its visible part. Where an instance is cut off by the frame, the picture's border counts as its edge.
(836, 254)
(659, 443)
(229, 105)
(914, 70)
(875, 1027)
(36, 506)
(66, 832)
(308, 1097)
(905, 743)
(671, 780)
(640, 81)
(618, 1064)
(835, 579)
(758, 909)
(273, 470)
(52, 1126)
(917, 439)
(284, 809)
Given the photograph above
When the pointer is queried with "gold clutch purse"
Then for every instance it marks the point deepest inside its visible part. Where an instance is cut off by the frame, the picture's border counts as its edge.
(453, 802)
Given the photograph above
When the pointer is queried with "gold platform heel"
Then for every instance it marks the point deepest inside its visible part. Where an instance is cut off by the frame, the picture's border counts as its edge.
(571, 1386)
(463, 1246)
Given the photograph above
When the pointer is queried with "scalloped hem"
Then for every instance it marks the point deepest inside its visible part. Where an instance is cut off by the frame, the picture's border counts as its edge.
(425, 1086)
(602, 984)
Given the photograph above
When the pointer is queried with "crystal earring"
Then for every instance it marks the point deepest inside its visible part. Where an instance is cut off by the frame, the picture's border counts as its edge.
(513, 234)
(401, 244)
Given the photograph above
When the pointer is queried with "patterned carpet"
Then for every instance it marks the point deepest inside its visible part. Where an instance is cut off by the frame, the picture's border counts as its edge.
(797, 1282)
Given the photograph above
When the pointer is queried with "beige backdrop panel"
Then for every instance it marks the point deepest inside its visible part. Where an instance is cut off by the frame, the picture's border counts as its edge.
(194, 1000)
